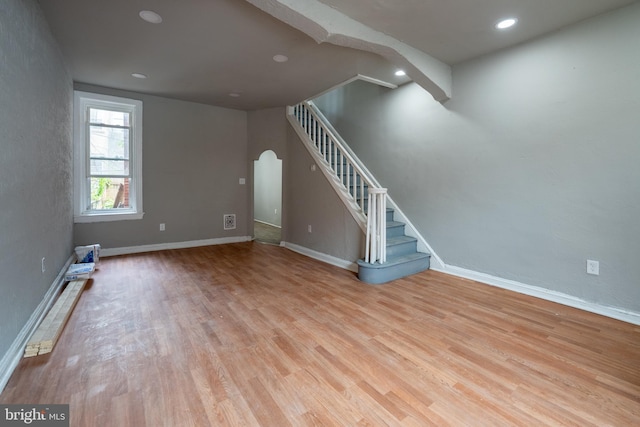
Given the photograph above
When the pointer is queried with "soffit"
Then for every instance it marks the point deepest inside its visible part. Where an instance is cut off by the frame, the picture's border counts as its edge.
(457, 30)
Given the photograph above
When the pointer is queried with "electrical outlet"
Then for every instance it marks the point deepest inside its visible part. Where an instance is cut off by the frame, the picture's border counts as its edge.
(309, 228)
(44, 267)
(593, 267)
(162, 227)
(242, 181)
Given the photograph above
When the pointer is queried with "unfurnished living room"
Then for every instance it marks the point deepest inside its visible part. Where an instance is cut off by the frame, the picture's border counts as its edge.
(451, 191)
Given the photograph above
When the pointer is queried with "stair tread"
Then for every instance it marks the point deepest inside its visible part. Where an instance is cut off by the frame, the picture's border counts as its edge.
(399, 240)
(394, 224)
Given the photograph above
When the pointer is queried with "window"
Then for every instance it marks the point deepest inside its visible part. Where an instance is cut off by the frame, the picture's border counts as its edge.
(108, 158)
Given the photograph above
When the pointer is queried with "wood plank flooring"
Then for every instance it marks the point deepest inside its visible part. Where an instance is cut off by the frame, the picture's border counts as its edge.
(256, 335)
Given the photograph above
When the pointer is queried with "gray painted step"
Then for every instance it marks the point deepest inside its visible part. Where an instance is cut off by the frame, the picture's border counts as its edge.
(403, 258)
(401, 245)
(394, 268)
(395, 229)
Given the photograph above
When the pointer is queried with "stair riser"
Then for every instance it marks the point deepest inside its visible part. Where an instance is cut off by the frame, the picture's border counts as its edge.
(402, 249)
(379, 276)
(395, 231)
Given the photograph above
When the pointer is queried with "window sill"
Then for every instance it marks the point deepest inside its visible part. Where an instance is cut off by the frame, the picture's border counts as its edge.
(102, 217)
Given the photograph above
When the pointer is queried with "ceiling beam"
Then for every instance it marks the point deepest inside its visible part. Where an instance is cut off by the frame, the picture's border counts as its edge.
(327, 25)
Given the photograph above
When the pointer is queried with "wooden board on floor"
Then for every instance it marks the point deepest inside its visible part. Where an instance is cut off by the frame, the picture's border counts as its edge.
(47, 334)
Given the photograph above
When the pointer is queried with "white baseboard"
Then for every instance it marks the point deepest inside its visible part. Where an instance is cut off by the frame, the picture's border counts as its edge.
(15, 352)
(542, 293)
(173, 245)
(329, 259)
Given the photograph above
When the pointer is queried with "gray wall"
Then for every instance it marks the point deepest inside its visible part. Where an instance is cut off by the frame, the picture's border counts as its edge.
(531, 168)
(193, 158)
(310, 200)
(268, 131)
(36, 214)
(267, 179)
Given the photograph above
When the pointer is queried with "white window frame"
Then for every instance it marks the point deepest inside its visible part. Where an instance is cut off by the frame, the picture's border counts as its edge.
(82, 191)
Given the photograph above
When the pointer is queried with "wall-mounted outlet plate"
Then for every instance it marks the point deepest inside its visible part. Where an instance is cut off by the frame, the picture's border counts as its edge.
(162, 227)
(593, 267)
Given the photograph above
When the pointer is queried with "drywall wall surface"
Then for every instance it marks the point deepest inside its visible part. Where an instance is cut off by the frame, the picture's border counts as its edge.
(193, 156)
(36, 215)
(267, 198)
(530, 169)
(312, 202)
(267, 130)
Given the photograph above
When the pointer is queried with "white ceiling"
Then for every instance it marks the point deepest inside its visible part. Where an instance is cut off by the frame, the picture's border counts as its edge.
(206, 49)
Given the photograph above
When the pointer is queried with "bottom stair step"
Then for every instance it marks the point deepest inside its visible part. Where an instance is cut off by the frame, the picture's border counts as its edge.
(394, 268)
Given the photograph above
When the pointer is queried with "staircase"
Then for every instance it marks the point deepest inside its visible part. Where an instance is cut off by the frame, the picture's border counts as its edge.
(390, 253)
(403, 258)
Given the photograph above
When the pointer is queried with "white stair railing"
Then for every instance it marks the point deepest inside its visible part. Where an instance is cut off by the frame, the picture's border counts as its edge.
(335, 156)
(376, 247)
(350, 180)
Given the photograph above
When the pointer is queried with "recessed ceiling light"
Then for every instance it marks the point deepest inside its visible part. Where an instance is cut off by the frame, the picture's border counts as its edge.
(234, 94)
(150, 16)
(280, 58)
(139, 75)
(506, 23)
(400, 73)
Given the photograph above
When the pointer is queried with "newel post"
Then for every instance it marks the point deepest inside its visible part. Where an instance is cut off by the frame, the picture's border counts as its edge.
(376, 239)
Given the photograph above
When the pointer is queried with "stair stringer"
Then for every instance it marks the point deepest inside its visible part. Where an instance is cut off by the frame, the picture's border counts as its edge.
(410, 229)
(335, 182)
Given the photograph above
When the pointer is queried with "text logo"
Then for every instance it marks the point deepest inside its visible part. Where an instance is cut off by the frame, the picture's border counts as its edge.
(34, 415)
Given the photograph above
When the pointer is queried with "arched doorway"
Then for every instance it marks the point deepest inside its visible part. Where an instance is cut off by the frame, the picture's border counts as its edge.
(267, 198)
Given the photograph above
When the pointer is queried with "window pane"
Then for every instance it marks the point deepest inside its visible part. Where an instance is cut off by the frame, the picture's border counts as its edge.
(108, 167)
(111, 143)
(108, 117)
(109, 193)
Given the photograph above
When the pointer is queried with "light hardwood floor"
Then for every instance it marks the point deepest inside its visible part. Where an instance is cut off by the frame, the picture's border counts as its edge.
(256, 335)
